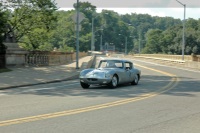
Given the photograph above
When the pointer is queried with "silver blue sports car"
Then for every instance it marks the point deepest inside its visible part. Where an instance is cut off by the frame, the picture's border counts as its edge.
(110, 72)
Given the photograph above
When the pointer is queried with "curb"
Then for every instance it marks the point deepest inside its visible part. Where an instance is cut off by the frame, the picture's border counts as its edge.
(76, 76)
(47, 82)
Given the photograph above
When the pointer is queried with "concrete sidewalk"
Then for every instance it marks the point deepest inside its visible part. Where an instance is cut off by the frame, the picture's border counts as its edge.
(26, 76)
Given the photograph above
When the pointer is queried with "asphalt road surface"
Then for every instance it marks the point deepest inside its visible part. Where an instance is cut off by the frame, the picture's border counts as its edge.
(166, 100)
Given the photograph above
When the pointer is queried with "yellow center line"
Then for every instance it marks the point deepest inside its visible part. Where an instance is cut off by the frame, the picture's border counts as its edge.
(169, 86)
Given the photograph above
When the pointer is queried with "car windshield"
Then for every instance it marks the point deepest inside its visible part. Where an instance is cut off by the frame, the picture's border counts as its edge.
(110, 64)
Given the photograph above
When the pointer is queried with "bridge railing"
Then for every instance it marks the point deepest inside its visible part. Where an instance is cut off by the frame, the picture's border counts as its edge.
(45, 58)
(190, 61)
(163, 56)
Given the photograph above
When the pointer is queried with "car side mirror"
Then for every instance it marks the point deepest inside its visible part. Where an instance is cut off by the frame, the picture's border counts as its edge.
(127, 68)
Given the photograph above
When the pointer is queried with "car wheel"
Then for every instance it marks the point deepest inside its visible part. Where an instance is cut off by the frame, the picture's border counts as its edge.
(136, 80)
(114, 82)
(84, 85)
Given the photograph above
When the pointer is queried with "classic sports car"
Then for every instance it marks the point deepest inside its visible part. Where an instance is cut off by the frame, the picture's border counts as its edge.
(110, 72)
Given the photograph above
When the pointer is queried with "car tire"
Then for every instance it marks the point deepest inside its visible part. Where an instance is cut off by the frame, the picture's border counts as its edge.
(136, 80)
(84, 85)
(114, 82)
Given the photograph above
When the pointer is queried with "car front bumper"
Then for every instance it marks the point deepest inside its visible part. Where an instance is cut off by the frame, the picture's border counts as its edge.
(95, 81)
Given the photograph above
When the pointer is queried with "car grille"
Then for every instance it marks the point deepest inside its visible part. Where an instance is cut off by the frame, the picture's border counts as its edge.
(91, 79)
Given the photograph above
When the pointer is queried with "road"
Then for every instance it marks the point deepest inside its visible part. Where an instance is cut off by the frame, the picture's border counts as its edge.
(166, 100)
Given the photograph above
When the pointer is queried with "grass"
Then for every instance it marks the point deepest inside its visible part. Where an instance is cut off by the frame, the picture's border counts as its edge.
(4, 70)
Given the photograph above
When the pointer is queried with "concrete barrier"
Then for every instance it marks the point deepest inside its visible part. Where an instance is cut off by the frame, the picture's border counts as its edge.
(172, 60)
(91, 62)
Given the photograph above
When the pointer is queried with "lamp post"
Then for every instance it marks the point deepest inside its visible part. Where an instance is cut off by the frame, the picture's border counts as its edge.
(139, 45)
(125, 43)
(94, 36)
(92, 39)
(101, 39)
(183, 37)
(77, 18)
(101, 43)
(77, 36)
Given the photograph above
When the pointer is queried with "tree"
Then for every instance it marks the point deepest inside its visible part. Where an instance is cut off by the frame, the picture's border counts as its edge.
(63, 35)
(3, 22)
(85, 34)
(168, 39)
(32, 21)
(153, 41)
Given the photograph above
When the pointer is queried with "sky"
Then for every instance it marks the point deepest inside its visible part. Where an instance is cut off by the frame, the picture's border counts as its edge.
(162, 8)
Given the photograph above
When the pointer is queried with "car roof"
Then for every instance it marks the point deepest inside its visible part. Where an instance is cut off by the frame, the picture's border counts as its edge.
(117, 60)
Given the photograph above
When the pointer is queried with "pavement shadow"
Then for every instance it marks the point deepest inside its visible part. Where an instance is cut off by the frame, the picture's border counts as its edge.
(147, 84)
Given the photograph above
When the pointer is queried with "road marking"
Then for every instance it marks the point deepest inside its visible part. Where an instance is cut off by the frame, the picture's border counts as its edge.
(165, 73)
(167, 66)
(2, 94)
(169, 86)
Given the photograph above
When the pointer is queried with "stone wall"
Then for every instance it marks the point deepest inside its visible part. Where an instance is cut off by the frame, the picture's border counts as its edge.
(14, 55)
(195, 58)
(59, 58)
(42, 58)
(2, 60)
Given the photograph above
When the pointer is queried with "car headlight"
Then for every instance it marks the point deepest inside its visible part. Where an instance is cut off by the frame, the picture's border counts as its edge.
(108, 75)
(81, 74)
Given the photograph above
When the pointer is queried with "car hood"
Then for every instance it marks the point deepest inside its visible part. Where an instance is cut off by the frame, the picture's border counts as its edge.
(95, 73)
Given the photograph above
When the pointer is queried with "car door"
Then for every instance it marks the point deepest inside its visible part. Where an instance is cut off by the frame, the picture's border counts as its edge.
(128, 67)
(120, 70)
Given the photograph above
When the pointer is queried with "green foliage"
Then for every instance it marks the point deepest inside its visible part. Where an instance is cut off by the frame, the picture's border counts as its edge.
(32, 22)
(63, 33)
(154, 38)
(65, 48)
(4, 70)
(3, 21)
(39, 26)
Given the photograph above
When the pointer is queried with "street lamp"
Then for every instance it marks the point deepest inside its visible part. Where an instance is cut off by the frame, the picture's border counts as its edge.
(139, 46)
(183, 37)
(92, 38)
(101, 43)
(77, 36)
(125, 43)
(133, 41)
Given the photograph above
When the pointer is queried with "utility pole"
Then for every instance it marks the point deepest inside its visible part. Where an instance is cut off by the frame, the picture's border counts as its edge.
(139, 46)
(101, 43)
(183, 37)
(77, 36)
(92, 39)
(126, 45)
(125, 51)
